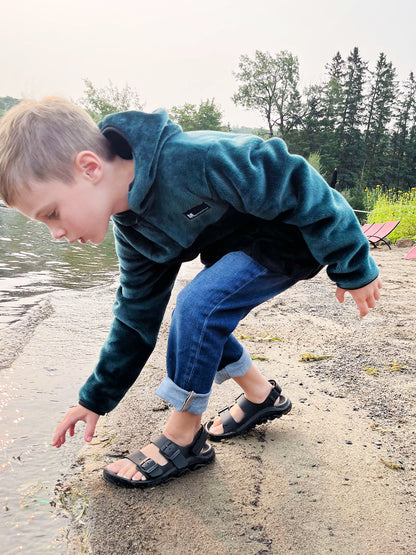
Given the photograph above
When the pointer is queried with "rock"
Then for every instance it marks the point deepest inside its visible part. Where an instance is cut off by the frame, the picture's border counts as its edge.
(404, 243)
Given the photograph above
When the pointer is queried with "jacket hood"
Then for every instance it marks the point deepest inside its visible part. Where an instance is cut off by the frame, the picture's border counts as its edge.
(141, 136)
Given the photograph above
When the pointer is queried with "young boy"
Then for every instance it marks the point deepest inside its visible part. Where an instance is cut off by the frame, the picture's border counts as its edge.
(260, 219)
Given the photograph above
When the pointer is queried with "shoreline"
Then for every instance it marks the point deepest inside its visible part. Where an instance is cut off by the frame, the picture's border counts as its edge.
(336, 474)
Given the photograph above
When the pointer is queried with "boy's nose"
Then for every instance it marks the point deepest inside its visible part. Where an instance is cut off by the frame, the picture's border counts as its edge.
(57, 233)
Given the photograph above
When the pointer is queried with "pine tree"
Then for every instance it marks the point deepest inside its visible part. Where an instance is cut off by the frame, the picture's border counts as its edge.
(404, 136)
(332, 113)
(310, 136)
(378, 117)
(350, 140)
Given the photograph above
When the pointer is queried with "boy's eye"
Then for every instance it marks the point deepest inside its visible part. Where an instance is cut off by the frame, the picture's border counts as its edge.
(52, 215)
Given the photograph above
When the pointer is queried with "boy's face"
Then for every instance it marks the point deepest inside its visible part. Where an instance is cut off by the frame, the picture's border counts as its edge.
(78, 211)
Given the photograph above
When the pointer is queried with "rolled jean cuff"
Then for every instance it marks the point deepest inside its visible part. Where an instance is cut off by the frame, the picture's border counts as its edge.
(182, 400)
(235, 369)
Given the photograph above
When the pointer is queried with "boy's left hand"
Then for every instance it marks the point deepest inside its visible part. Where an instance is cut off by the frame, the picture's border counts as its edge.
(365, 297)
(73, 416)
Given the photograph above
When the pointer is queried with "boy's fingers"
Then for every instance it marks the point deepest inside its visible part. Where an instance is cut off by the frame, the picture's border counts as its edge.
(363, 303)
(57, 437)
(88, 435)
(58, 440)
(60, 432)
(90, 428)
(340, 294)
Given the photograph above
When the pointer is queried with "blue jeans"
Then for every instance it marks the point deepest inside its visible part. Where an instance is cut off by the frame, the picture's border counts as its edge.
(201, 347)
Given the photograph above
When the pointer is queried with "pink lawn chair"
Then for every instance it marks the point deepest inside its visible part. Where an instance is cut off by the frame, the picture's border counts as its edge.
(379, 232)
(411, 253)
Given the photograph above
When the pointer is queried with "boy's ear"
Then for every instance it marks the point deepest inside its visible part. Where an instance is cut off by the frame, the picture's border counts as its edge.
(89, 165)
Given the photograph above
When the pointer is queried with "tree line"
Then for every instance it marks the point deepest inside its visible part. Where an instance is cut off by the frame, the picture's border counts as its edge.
(360, 121)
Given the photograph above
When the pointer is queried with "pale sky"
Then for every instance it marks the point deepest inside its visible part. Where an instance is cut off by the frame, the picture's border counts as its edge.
(177, 51)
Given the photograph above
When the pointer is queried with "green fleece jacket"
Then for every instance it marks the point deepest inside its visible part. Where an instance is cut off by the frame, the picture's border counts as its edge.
(209, 193)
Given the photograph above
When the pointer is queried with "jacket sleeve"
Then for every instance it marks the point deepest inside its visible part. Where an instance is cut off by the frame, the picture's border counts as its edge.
(261, 178)
(141, 300)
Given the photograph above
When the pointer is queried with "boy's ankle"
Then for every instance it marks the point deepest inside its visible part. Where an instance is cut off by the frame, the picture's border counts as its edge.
(181, 437)
(257, 393)
(182, 427)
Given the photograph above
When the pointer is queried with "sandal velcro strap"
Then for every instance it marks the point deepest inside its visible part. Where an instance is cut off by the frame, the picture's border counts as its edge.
(150, 468)
(171, 451)
(147, 466)
(199, 441)
(177, 454)
(228, 422)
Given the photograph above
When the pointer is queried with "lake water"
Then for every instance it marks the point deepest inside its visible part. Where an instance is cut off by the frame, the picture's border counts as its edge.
(32, 264)
(33, 268)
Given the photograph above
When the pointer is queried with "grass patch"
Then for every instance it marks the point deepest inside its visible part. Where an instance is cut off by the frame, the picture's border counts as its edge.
(386, 205)
(372, 371)
(310, 357)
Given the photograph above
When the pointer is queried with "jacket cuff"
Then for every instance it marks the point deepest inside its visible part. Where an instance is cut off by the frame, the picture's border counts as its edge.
(91, 407)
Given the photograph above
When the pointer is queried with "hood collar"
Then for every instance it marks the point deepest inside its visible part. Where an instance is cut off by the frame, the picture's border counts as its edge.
(145, 135)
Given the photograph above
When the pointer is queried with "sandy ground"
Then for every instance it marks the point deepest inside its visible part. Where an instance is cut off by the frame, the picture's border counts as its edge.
(336, 475)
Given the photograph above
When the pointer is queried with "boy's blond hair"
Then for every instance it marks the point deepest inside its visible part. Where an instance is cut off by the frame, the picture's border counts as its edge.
(39, 141)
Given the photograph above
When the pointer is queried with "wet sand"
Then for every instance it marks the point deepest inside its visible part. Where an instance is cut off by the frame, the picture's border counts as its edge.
(338, 474)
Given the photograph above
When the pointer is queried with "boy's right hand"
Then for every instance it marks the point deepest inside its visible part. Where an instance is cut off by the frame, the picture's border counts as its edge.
(73, 416)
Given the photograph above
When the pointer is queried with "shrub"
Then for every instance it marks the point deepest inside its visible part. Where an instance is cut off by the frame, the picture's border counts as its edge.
(314, 160)
(356, 198)
(394, 205)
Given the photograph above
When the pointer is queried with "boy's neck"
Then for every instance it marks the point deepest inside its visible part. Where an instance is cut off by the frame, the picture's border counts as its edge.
(120, 174)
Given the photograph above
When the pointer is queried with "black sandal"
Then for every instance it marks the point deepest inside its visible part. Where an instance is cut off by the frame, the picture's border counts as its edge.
(254, 413)
(180, 460)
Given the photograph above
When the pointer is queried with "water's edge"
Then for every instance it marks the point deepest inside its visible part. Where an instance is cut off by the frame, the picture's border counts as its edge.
(15, 336)
(45, 358)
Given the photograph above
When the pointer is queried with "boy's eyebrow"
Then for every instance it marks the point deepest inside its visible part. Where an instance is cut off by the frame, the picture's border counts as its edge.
(40, 212)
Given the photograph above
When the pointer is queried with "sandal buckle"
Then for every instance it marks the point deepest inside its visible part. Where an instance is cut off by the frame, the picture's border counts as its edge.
(171, 451)
(149, 465)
